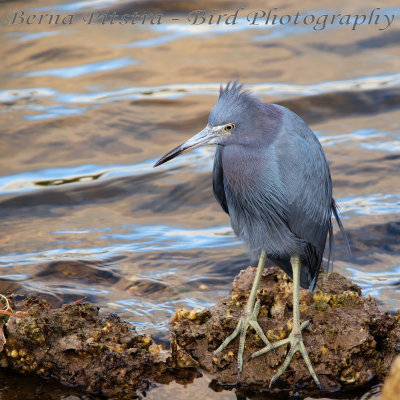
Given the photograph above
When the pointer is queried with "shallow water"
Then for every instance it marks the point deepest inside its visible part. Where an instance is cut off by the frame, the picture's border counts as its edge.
(87, 110)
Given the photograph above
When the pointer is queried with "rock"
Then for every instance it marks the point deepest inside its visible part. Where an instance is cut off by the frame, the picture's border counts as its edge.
(350, 342)
(79, 347)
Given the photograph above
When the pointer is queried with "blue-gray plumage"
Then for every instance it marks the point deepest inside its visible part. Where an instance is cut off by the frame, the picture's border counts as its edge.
(273, 180)
(271, 176)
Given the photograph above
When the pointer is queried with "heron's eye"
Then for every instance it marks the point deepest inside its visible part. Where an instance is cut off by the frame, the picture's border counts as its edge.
(229, 127)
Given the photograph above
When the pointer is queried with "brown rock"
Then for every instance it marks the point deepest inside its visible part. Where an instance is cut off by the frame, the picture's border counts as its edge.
(77, 346)
(349, 340)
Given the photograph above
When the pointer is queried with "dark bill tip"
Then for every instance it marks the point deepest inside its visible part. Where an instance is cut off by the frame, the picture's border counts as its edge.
(169, 156)
(200, 139)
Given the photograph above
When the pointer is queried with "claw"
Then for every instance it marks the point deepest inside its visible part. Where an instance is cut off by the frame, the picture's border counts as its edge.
(249, 318)
(295, 338)
(296, 344)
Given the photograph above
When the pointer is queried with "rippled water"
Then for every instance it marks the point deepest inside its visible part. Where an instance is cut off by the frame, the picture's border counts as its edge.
(87, 110)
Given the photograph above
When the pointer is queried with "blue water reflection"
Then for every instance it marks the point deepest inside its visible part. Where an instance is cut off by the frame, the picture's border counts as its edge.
(373, 282)
(79, 70)
(64, 101)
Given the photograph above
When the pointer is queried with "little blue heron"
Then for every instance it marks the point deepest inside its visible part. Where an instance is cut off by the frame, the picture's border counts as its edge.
(271, 176)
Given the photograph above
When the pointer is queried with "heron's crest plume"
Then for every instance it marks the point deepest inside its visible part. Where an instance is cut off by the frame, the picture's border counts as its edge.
(233, 101)
(233, 92)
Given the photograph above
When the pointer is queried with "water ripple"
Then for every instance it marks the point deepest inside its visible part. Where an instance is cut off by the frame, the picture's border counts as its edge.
(174, 31)
(28, 36)
(362, 138)
(373, 282)
(79, 70)
(155, 315)
(79, 5)
(12, 95)
(355, 136)
(174, 91)
(141, 239)
(371, 205)
(178, 238)
(265, 89)
(200, 160)
(389, 146)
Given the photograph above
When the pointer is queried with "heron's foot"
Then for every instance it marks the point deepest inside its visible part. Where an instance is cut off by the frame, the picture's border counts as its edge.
(249, 319)
(295, 340)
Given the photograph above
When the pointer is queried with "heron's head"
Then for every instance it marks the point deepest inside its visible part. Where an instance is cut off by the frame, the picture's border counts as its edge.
(237, 113)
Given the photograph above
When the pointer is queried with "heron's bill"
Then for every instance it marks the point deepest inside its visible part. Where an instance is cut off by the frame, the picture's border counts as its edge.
(203, 137)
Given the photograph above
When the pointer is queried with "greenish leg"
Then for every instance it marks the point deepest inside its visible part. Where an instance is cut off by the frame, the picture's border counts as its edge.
(295, 339)
(249, 318)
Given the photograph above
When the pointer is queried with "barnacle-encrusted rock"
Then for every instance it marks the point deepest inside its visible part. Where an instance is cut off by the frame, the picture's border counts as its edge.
(349, 340)
(77, 346)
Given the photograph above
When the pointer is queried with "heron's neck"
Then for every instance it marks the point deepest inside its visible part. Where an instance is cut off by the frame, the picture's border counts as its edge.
(240, 163)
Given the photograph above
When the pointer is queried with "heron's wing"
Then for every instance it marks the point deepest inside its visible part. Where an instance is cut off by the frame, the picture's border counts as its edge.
(310, 219)
(308, 189)
(218, 181)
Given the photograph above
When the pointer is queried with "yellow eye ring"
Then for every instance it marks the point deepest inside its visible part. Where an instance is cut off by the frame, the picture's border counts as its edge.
(229, 127)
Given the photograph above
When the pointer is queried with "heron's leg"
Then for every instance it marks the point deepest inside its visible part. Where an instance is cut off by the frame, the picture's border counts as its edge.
(250, 316)
(295, 339)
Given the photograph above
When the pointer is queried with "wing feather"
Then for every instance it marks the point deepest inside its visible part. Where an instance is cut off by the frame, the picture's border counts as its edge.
(218, 181)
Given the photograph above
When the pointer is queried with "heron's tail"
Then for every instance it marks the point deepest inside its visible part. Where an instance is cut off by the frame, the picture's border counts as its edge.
(331, 239)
